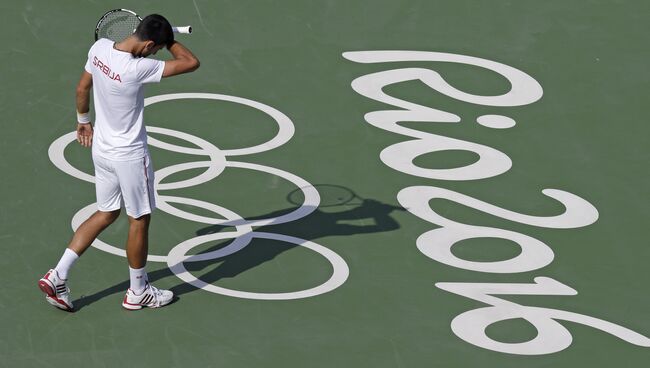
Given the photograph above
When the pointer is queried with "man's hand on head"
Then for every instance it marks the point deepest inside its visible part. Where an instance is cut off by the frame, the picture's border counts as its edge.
(183, 60)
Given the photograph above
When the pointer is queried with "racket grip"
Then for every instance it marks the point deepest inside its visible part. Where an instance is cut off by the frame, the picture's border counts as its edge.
(186, 29)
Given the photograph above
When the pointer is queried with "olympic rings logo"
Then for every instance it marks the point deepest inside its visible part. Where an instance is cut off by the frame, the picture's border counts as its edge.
(218, 161)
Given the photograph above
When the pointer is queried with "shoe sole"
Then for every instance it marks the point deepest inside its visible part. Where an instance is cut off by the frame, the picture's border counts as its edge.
(46, 287)
(134, 307)
(58, 303)
(131, 307)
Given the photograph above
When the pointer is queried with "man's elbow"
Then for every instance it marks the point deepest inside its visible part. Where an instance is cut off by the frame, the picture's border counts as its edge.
(195, 65)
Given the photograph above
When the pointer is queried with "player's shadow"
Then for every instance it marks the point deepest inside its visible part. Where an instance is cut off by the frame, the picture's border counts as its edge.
(354, 216)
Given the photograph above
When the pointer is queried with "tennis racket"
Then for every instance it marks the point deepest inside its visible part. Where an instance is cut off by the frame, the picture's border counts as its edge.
(118, 24)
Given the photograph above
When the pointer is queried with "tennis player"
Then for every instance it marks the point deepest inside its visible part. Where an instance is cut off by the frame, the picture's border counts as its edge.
(117, 73)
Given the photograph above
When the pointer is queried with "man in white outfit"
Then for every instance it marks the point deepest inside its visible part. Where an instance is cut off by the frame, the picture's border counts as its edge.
(117, 73)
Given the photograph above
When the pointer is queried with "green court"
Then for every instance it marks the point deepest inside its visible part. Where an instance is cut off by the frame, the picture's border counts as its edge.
(345, 184)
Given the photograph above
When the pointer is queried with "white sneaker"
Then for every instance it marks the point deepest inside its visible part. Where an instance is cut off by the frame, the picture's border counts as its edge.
(151, 297)
(56, 291)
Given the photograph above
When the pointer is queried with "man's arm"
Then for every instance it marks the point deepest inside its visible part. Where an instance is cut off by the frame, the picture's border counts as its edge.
(84, 131)
(184, 61)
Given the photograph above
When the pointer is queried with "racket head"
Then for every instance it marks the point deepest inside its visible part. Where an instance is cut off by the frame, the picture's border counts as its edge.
(117, 25)
(330, 196)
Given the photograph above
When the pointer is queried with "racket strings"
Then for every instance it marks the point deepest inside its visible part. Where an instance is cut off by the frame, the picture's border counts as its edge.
(117, 26)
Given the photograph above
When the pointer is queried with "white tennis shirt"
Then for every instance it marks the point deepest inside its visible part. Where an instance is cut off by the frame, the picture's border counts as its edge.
(118, 95)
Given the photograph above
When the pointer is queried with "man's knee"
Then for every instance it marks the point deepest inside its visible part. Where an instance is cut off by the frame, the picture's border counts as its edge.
(140, 222)
(108, 217)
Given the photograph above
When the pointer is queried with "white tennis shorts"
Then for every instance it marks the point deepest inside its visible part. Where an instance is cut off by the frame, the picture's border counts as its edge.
(128, 183)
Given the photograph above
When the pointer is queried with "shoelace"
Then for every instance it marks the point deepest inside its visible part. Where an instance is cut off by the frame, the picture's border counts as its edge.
(156, 294)
(155, 290)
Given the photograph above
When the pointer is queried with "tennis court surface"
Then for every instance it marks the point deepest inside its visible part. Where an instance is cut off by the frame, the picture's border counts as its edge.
(345, 184)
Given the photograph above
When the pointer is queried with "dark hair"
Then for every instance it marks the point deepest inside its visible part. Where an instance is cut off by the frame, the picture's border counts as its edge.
(155, 28)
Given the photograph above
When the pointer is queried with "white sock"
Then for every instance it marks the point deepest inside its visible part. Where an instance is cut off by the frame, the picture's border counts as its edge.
(65, 263)
(138, 279)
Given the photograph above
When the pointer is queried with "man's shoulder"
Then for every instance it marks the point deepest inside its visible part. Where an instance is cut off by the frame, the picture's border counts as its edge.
(102, 43)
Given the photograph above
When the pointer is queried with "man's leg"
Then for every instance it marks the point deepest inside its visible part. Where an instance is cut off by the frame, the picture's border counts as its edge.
(136, 180)
(53, 284)
(83, 237)
(137, 248)
(141, 293)
(137, 243)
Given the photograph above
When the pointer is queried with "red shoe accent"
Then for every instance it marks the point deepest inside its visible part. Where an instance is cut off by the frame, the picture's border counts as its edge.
(45, 287)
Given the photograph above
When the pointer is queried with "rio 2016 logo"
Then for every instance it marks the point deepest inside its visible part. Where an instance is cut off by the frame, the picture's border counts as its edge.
(436, 244)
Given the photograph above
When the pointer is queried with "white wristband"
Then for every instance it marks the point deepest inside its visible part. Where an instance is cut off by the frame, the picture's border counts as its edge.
(83, 118)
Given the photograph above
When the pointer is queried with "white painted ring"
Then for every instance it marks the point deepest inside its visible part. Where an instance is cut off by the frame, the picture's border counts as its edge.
(285, 131)
(340, 272)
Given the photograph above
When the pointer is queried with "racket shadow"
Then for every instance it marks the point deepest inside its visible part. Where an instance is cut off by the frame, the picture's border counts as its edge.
(353, 217)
